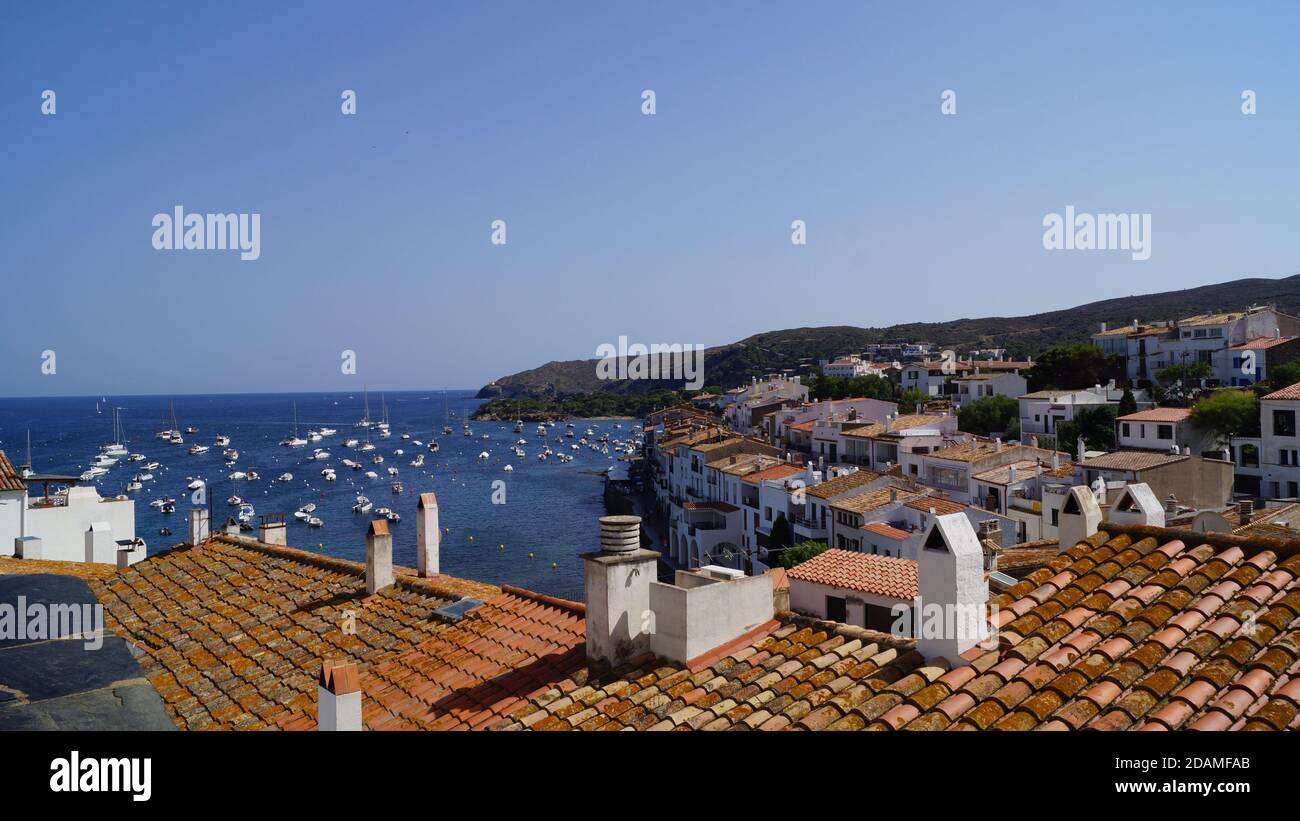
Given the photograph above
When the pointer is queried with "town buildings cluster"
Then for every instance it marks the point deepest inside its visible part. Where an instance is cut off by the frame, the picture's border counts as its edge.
(963, 581)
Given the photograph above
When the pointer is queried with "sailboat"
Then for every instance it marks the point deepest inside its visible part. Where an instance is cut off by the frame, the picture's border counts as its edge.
(384, 432)
(294, 441)
(116, 447)
(446, 416)
(365, 419)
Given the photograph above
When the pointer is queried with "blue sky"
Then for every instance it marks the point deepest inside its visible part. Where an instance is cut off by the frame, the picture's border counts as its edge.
(668, 228)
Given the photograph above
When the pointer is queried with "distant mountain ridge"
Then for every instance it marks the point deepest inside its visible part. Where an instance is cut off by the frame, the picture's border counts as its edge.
(1022, 336)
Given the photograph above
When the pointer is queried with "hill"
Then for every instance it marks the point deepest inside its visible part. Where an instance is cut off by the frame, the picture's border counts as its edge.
(1022, 336)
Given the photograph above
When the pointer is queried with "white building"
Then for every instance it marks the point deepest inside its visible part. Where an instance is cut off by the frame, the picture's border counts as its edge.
(71, 525)
(1279, 451)
(846, 366)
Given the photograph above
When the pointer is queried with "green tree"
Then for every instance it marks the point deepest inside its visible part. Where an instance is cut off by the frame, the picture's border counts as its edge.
(908, 399)
(1181, 383)
(800, 553)
(1095, 423)
(1067, 367)
(781, 535)
(1127, 403)
(1284, 375)
(992, 414)
(1227, 413)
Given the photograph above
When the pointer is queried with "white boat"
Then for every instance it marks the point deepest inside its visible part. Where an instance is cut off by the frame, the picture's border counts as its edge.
(406, 436)
(328, 431)
(347, 463)
(509, 469)
(231, 454)
(392, 517)
(198, 450)
(104, 461)
(310, 507)
(238, 475)
(162, 502)
(321, 455)
(399, 452)
(285, 477)
(152, 466)
(315, 521)
(294, 440)
(301, 515)
(370, 474)
(252, 476)
(222, 440)
(383, 511)
(418, 461)
(397, 487)
(143, 477)
(363, 505)
(352, 443)
(135, 457)
(377, 459)
(133, 486)
(195, 484)
(433, 447)
(392, 471)
(366, 447)
(519, 426)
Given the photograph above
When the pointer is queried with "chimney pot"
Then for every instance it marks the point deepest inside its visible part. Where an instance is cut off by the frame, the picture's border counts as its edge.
(379, 557)
(428, 536)
(199, 525)
(338, 696)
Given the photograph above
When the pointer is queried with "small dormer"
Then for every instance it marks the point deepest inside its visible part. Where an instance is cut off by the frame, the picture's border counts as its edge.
(1138, 505)
(1080, 516)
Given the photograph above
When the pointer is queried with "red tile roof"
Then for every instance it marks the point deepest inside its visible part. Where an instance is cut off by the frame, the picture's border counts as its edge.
(941, 506)
(882, 529)
(1139, 628)
(1130, 460)
(1158, 415)
(1289, 392)
(721, 507)
(1261, 343)
(774, 472)
(475, 672)
(851, 570)
(9, 478)
(842, 484)
(233, 632)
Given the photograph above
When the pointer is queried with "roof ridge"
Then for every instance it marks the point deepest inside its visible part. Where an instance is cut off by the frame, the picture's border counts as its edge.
(575, 607)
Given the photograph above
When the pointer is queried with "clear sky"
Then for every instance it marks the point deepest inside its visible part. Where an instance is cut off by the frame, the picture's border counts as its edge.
(375, 228)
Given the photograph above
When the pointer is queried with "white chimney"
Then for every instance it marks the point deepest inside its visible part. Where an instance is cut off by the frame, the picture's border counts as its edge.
(338, 697)
(1138, 505)
(1056, 460)
(950, 576)
(379, 557)
(1080, 517)
(198, 525)
(1079, 447)
(617, 583)
(428, 536)
(997, 445)
(1011, 475)
(271, 530)
(1103, 327)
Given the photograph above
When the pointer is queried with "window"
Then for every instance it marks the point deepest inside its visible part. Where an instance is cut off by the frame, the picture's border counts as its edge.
(1056, 517)
(837, 608)
(1164, 431)
(1284, 423)
(1249, 456)
(1126, 430)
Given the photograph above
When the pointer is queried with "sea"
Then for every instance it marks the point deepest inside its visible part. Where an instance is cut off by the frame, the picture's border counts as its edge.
(525, 527)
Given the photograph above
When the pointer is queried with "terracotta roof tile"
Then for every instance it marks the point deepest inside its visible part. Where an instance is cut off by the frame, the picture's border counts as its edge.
(9, 477)
(848, 569)
(842, 484)
(1158, 415)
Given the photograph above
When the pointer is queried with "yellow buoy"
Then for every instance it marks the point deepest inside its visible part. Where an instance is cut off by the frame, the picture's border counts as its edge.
(554, 565)
(530, 555)
(471, 538)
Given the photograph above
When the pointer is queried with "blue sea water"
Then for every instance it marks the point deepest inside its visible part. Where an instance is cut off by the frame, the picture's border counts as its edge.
(533, 540)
